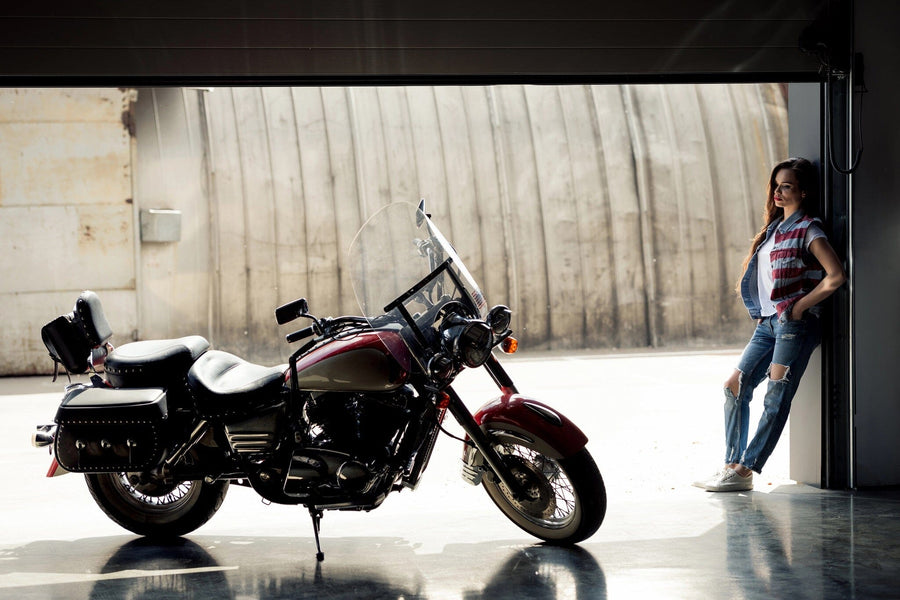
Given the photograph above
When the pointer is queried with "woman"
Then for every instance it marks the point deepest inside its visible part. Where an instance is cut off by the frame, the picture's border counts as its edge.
(789, 270)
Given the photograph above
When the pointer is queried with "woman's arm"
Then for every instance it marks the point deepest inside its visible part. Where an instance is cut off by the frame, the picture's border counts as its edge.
(834, 277)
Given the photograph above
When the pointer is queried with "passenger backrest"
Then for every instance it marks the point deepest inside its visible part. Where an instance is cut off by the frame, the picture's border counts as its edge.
(70, 338)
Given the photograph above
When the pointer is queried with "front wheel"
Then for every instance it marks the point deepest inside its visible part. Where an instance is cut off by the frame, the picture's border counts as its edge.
(156, 509)
(564, 500)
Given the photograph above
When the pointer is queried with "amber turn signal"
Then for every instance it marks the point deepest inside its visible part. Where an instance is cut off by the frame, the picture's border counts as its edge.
(509, 345)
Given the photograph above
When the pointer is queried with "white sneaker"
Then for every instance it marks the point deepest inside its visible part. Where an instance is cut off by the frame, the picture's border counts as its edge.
(702, 483)
(731, 481)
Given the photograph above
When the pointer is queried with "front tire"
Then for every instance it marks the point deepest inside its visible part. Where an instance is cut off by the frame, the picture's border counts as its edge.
(565, 500)
(156, 510)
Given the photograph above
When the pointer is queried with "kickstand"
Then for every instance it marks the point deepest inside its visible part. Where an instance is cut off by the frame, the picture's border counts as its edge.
(317, 524)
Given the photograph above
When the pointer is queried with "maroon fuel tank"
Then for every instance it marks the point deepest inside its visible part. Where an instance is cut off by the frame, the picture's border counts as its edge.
(366, 362)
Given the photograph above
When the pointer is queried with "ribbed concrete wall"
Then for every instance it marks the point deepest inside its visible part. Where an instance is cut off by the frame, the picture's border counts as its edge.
(605, 216)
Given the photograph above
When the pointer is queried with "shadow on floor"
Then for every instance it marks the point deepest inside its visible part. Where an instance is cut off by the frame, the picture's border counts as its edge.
(281, 568)
(794, 542)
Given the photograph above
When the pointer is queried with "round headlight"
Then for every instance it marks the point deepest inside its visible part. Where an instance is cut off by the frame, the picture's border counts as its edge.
(499, 318)
(473, 345)
(440, 367)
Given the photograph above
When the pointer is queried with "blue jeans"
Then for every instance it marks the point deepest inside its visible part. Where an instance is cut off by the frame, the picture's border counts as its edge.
(790, 344)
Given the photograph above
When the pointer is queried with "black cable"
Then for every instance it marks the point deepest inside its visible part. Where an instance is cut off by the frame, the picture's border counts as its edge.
(456, 437)
(829, 129)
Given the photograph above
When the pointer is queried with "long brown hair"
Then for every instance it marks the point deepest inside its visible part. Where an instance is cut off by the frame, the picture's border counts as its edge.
(807, 178)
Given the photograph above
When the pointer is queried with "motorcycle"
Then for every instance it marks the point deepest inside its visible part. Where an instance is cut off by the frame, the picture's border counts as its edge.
(352, 417)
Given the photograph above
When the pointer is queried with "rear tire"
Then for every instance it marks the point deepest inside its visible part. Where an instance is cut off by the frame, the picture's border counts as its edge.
(156, 510)
(566, 500)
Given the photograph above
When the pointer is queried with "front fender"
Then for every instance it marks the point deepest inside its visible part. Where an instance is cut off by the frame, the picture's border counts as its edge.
(551, 432)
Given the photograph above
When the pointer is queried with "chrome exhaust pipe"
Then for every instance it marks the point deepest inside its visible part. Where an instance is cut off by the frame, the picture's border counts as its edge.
(44, 436)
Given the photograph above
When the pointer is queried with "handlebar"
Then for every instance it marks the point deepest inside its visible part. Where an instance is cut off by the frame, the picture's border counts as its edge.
(300, 334)
(327, 327)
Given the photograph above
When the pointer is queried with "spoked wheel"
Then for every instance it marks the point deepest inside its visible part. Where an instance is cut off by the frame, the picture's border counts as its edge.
(156, 509)
(563, 500)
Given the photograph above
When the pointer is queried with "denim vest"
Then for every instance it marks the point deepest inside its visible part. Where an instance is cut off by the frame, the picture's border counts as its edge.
(749, 287)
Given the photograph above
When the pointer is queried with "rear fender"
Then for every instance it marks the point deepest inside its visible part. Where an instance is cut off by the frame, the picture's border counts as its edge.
(524, 419)
(55, 470)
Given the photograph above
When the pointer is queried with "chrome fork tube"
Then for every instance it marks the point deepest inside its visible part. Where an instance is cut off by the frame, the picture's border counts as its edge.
(481, 441)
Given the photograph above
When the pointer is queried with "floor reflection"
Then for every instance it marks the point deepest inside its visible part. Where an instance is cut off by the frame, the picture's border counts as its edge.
(282, 568)
(545, 573)
(295, 574)
(145, 569)
(749, 545)
(809, 545)
(759, 547)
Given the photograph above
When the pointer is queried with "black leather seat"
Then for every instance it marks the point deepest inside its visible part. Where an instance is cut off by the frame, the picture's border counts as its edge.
(225, 385)
(153, 363)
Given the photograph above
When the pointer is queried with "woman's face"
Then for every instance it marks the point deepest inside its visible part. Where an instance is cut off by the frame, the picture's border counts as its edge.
(787, 193)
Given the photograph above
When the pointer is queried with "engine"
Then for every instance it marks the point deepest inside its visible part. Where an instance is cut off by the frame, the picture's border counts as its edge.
(353, 444)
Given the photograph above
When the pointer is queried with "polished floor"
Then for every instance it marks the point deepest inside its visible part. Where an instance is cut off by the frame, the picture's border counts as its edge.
(662, 538)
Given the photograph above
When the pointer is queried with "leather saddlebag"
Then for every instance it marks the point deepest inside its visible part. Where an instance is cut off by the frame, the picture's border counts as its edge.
(105, 430)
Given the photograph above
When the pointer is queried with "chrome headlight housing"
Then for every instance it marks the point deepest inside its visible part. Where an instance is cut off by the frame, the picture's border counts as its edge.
(467, 341)
(498, 320)
(472, 346)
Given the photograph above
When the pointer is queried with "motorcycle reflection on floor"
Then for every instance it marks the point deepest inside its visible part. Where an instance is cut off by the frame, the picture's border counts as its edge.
(352, 417)
(545, 572)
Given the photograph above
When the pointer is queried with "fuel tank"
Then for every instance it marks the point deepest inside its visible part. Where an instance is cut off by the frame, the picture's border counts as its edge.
(366, 362)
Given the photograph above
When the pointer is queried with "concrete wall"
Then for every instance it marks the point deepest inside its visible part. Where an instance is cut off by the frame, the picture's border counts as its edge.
(66, 213)
(605, 216)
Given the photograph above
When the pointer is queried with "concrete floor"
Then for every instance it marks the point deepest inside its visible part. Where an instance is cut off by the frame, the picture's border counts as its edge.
(655, 425)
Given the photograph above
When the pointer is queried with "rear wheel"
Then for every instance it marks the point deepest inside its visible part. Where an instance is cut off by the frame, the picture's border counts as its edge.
(563, 500)
(156, 509)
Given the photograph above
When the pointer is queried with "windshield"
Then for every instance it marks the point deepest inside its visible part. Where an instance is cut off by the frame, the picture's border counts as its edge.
(404, 270)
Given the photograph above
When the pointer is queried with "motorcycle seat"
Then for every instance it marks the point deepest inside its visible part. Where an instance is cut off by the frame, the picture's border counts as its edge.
(224, 384)
(153, 363)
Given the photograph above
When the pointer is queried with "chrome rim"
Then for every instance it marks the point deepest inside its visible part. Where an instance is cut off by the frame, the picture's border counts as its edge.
(551, 501)
(163, 498)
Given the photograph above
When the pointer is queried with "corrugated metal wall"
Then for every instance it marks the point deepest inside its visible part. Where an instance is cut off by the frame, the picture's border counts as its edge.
(605, 216)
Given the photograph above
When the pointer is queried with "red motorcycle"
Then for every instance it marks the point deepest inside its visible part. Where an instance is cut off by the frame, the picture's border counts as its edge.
(353, 416)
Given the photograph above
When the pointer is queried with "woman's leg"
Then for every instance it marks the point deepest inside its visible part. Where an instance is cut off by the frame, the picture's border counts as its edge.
(794, 343)
(739, 388)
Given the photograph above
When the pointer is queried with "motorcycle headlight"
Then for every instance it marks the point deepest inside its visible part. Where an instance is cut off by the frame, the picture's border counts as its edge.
(470, 342)
(498, 319)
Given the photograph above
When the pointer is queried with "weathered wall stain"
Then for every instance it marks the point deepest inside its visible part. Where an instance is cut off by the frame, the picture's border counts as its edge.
(64, 173)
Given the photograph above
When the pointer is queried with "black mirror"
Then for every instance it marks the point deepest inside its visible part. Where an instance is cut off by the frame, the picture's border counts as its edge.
(290, 311)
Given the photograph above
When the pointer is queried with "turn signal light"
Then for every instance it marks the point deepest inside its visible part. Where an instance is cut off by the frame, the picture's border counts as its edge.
(509, 345)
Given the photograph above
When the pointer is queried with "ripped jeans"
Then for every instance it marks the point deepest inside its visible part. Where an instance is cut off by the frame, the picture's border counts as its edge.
(789, 344)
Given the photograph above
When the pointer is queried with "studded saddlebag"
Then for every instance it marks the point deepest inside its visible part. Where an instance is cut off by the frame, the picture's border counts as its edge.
(102, 430)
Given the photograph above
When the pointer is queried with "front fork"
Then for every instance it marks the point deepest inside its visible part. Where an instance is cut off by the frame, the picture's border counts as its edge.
(478, 437)
(517, 418)
(481, 441)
